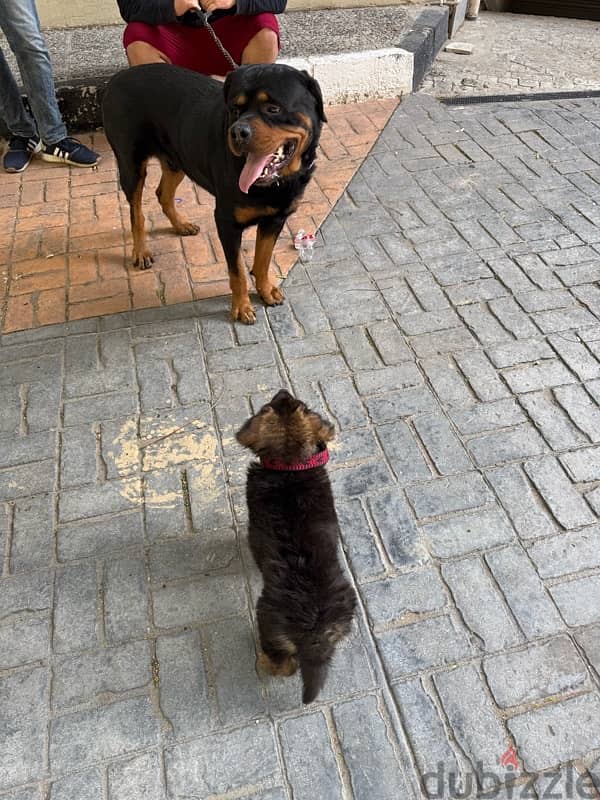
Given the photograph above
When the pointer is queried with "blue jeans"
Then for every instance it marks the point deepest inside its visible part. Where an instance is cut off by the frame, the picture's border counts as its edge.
(21, 25)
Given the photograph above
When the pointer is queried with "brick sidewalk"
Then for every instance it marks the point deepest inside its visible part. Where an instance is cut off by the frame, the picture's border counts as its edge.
(65, 239)
(450, 326)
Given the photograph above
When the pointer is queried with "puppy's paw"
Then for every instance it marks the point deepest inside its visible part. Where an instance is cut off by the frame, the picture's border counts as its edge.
(143, 260)
(243, 312)
(279, 669)
(271, 295)
(185, 228)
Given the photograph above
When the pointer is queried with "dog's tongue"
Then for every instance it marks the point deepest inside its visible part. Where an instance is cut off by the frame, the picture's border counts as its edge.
(252, 168)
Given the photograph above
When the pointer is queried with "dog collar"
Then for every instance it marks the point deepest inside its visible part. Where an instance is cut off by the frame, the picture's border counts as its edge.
(318, 460)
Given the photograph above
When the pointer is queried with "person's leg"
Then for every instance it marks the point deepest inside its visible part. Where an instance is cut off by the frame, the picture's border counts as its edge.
(146, 44)
(21, 26)
(20, 123)
(263, 48)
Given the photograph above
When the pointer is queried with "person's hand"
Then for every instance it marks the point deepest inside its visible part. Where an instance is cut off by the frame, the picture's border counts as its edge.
(181, 6)
(217, 5)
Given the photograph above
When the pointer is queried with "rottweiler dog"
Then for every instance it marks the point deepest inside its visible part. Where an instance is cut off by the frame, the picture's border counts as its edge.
(307, 603)
(251, 142)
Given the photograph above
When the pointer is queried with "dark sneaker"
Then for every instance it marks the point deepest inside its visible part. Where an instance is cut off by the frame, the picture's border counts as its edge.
(20, 152)
(70, 151)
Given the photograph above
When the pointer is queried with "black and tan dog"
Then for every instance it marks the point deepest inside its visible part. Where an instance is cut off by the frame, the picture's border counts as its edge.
(307, 604)
(250, 142)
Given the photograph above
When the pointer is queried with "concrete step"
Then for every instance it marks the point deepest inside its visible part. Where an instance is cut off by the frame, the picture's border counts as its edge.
(355, 54)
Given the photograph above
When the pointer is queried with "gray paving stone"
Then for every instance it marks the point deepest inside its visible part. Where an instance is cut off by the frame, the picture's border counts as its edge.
(593, 499)
(184, 559)
(358, 539)
(546, 737)
(581, 408)
(24, 641)
(520, 352)
(583, 465)
(567, 553)
(222, 763)
(232, 657)
(92, 501)
(563, 320)
(413, 593)
(367, 750)
(420, 322)
(371, 382)
(125, 600)
(448, 383)
(389, 342)
(113, 730)
(480, 604)
(576, 355)
(23, 719)
(524, 592)
(520, 503)
(86, 677)
(564, 782)
(357, 347)
(554, 425)
(484, 417)
(422, 645)
(478, 730)
(98, 537)
(32, 533)
(511, 445)
(578, 600)
(183, 684)
(544, 301)
(309, 758)
(443, 446)
(446, 495)
(483, 324)
(360, 479)
(136, 779)
(25, 449)
(396, 526)
(344, 402)
(84, 785)
(590, 642)
(426, 732)
(569, 508)
(451, 341)
(461, 534)
(206, 491)
(31, 592)
(540, 671)
(482, 376)
(27, 479)
(403, 453)
(544, 375)
(201, 600)
(75, 611)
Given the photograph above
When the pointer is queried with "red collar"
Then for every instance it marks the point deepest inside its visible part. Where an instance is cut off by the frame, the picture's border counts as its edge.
(318, 460)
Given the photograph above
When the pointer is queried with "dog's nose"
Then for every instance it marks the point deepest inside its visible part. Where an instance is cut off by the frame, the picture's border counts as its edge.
(241, 132)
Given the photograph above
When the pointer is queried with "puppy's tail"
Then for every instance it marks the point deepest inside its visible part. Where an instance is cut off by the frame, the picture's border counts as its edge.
(314, 674)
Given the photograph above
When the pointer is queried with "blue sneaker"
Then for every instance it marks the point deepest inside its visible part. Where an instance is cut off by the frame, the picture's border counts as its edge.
(70, 151)
(21, 150)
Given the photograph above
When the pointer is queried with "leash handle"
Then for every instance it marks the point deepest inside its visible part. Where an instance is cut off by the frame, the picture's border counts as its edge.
(203, 16)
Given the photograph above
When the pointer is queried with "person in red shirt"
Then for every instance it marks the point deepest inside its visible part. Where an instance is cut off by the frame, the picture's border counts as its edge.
(173, 32)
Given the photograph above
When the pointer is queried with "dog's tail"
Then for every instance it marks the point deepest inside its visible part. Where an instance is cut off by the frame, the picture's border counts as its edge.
(314, 674)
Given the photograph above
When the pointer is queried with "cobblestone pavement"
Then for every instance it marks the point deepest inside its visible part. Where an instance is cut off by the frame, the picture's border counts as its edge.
(450, 325)
(65, 249)
(516, 53)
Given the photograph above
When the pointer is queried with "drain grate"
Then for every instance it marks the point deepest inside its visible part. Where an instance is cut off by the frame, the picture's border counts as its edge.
(472, 100)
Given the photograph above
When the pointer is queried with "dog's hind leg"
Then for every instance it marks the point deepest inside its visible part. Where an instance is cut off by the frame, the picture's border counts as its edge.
(132, 182)
(267, 234)
(169, 181)
(278, 656)
(230, 235)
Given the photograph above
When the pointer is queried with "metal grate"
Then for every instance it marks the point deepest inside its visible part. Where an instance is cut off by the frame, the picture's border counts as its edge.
(471, 100)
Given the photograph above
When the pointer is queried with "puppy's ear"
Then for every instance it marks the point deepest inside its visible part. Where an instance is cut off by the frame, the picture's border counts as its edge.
(249, 434)
(314, 88)
(322, 429)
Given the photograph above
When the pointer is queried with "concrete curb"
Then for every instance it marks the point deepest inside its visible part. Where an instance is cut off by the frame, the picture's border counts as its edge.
(344, 78)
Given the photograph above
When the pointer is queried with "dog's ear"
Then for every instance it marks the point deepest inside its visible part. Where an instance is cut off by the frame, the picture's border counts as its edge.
(314, 88)
(227, 85)
(253, 431)
(322, 429)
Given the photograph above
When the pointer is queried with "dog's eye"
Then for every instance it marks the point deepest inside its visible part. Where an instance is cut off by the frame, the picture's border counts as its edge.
(271, 108)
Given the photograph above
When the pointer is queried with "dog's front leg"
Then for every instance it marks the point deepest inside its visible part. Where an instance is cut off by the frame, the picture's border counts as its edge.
(267, 233)
(230, 235)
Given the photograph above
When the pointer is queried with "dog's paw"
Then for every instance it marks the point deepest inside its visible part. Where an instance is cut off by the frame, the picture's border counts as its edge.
(187, 229)
(272, 296)
(279, 669)
(143, 260)
(243, 312)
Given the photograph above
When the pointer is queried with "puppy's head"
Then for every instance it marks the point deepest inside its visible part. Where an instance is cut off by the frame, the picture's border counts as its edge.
(285, 430)
(275, 114)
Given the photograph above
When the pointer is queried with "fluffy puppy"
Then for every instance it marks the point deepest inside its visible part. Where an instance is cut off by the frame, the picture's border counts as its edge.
(307, 604)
